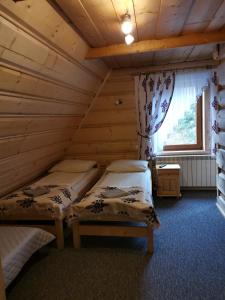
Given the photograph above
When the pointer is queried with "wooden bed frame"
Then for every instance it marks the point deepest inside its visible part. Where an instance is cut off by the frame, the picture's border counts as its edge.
(80, 229)
(56, 228)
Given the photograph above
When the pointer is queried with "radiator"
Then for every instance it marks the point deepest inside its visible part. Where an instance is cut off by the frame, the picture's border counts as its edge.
(196, 171)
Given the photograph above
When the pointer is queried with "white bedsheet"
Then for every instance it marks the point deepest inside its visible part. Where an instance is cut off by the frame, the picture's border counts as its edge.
(142, 179)
(135, 204)
(61, 178)
(17, 246)
(65, 189)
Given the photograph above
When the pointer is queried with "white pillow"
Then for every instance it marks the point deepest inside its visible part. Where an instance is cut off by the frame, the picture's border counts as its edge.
(73, 166)
(122, 166)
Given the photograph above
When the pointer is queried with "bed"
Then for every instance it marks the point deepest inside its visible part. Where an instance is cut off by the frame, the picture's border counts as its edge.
(17, 245)
(48, 199)
(123, 194)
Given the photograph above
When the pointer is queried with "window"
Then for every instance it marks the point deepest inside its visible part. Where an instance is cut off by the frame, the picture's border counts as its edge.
(186, 133)
(182, 129)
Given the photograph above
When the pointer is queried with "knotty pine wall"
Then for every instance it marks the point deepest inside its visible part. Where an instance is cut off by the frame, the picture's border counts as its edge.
(109, 131)
(45, 88)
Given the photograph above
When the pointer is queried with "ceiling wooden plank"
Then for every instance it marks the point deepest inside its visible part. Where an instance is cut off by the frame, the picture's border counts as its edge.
(162, 57)
(105, 18)
(121, 7)
(146, 17)
(170, 66)
(172, 17)
(201, 15)
(154, 45)
(124, 61)
(77, 13)
(142, 59)
(181, 54)
(218, 20)
(201, 52)
(111, 62)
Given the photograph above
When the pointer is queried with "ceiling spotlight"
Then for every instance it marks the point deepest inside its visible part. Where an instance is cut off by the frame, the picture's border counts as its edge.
(126, 25)
(129, 39)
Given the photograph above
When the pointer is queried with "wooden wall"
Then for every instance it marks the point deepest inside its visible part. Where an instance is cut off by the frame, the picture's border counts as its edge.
(45, 88)
(109, 131)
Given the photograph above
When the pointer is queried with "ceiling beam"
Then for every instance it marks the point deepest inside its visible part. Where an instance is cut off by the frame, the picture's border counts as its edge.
(160, 44)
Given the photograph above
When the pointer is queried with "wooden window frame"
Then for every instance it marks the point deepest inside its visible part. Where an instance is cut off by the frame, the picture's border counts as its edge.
(199, 144)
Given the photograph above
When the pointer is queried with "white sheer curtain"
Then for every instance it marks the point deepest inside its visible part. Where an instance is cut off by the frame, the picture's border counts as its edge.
(189, 85)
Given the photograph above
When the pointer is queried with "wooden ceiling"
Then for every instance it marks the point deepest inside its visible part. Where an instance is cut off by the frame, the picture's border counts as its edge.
(98, 21)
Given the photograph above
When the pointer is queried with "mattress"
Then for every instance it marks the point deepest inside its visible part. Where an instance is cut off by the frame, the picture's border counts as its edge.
(63, 189)
(134, 201)
(17, 246)
(142, 179)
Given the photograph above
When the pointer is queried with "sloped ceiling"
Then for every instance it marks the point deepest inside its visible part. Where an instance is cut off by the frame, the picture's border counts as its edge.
(99, 23)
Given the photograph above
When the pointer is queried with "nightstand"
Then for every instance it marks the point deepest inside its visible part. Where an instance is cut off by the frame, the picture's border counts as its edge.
(168, 180)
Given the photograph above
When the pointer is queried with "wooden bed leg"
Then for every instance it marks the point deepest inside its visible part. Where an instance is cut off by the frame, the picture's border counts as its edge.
(76, 235)
(150, 240)
(59, 234)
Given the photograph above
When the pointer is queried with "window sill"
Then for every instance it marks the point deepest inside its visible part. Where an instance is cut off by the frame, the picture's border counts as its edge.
(183, 153)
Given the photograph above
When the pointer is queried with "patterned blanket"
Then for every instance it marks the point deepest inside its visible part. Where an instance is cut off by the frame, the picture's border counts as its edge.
(132, 203)
(52, 204)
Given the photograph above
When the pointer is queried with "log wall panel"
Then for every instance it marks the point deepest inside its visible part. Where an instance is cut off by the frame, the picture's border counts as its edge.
(109, 130)
(106, 133)
(12, 104)
(19, 144)
(104, 147)
(112, 117)
(46, 87)
(27, 173)
(104, 103)
(14, 163)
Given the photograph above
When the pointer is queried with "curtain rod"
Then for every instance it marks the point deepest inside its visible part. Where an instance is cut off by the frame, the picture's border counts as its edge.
(208, 64)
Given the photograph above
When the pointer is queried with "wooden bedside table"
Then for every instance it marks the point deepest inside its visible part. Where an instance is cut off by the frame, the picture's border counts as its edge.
(168, 180)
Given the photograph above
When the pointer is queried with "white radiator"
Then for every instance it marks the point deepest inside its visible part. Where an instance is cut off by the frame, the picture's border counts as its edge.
(196, 171)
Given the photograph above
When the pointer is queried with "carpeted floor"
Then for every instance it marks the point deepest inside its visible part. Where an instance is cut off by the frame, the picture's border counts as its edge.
(188, 262)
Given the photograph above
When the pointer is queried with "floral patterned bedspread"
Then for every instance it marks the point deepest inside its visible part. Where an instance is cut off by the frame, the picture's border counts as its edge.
(51, 204)
(135, 204)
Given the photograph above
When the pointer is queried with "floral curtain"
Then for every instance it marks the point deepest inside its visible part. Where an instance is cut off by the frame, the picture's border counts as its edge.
(153, 96)
(188, 89)
(213, 111)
